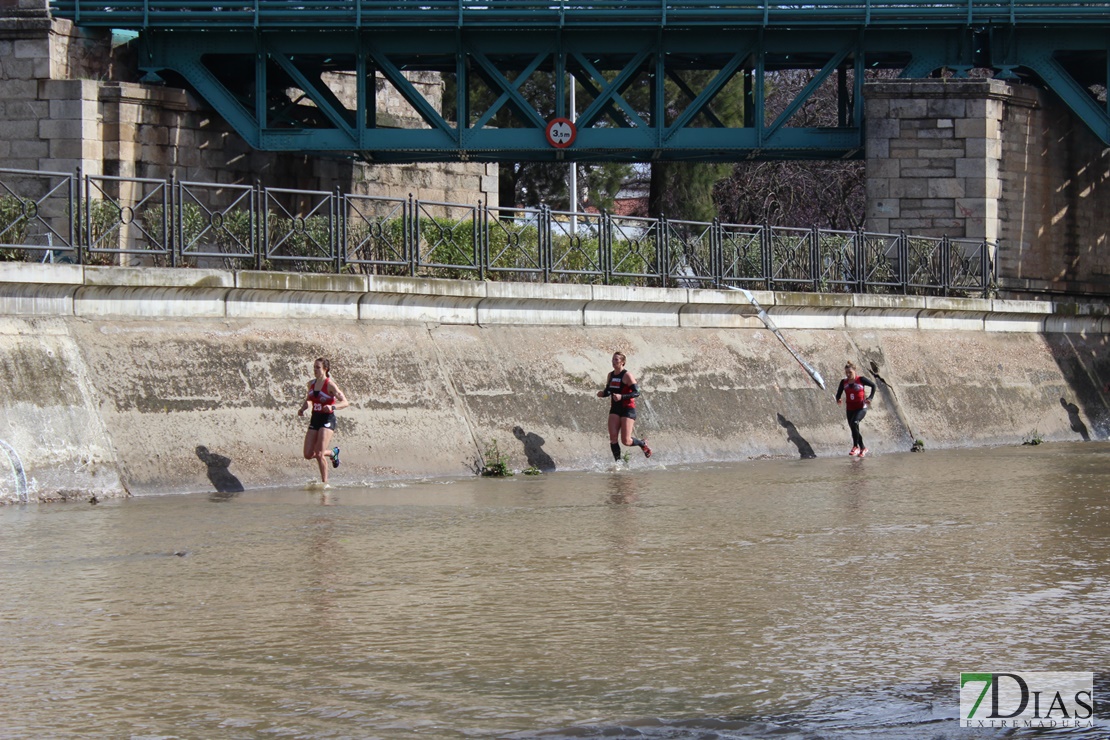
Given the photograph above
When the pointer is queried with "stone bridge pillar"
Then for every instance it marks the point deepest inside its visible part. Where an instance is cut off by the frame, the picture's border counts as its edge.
(989, 159)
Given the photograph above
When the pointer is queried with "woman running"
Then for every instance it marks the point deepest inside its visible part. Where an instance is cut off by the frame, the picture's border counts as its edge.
(622, 390)
(325, 398)
(853, 386)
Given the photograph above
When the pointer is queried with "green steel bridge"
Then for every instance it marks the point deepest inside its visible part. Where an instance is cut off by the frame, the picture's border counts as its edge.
(491, 80)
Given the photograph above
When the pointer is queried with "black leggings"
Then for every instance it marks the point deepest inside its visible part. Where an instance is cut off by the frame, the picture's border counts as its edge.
(855, 416)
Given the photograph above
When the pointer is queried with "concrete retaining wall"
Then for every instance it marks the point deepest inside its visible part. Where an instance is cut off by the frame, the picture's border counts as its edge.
(155, 380)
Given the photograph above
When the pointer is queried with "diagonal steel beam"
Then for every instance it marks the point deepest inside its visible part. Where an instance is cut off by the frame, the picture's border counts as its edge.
(319, 93)
(808, 90)
(509, 91)
(425, 110)
(612, 91)
(709, 92)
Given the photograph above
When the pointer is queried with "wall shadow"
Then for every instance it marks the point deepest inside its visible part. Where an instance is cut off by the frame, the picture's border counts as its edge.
(225, 483)
(805, 449)
(1077, 424)
(1084, 362)
(533, 450)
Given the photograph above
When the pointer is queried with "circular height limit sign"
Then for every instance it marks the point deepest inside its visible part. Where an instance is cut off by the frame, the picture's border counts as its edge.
(561, 132)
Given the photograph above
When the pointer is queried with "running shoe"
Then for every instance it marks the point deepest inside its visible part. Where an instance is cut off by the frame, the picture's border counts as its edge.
(863, 452)
(647, 450)
(854, 451)
(335, 457)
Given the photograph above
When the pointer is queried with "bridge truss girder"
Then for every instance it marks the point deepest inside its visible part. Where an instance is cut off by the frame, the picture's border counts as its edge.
(643, 94)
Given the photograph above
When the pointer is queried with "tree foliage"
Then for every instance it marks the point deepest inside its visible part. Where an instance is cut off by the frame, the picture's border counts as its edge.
(825, 193)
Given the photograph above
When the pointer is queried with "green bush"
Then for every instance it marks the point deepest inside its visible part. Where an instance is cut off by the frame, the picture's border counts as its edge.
(14, 226)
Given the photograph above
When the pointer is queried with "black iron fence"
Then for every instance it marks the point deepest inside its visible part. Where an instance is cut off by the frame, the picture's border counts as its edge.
(102, 220)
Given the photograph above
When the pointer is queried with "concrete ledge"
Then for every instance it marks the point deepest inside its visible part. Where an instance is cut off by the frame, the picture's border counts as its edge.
(725, 309)
(810, 310)
(964, 305)
(523, 311)
(1014, 322)
(1074, 324)
(631, 313)
(419, 308)
(289, 281)
(636, 294)
(33, 289)
(426, 286)
(951, 321)
(764, 298)
(954, 314)
(31, 299)
(47, 274)
(291, 304)
(716, 316)
(534, 304)
(158, 277)
(1021, 307)
(627, 305)
(149, 302)
(884, 311)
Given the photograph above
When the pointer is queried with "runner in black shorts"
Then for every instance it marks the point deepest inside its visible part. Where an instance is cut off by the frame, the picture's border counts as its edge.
(324, 397)
(622, 390)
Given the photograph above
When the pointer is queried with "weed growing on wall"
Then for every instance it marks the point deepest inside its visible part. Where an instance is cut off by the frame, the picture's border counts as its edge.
(495, 462)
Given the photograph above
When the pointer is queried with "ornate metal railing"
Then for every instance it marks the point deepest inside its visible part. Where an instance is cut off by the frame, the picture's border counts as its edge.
(100, 220)
(559, 13)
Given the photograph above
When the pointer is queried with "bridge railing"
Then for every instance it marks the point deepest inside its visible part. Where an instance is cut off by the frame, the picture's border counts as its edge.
(101, 220)
(569, 13)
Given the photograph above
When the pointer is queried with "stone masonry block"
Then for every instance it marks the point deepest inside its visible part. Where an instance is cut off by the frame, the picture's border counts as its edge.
(76, 149)
(883, 128)
(929, 172)
(878, 187)
(18, 89)
(884, 209)
(935, 132)
(18, 69)
(983, 187)
(985, 148)
(66, 129)
(43, 68)
(943, 157)
(967, 128)
(32, 148)
(911, 108)
(977, 167)
(73, 109)
(876, 107)
(946, 188)
(907, 188)
(67, 90)
(21, 131)
(877, 149)
(947, 108)
(31, 48)
(883, 168)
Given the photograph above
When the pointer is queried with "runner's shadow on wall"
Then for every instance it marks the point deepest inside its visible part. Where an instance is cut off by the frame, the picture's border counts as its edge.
(805, 449)
(1077, 424)
(226, 484)
(533, 450)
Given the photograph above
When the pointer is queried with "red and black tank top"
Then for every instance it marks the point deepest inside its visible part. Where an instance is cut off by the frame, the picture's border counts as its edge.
(855, 393)
(320, 398)
(617, 385)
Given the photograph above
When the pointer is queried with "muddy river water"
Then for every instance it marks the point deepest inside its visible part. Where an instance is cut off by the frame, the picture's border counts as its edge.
(773, 598)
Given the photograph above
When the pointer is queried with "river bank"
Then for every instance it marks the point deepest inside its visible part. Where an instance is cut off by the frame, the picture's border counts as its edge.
(143, 380)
